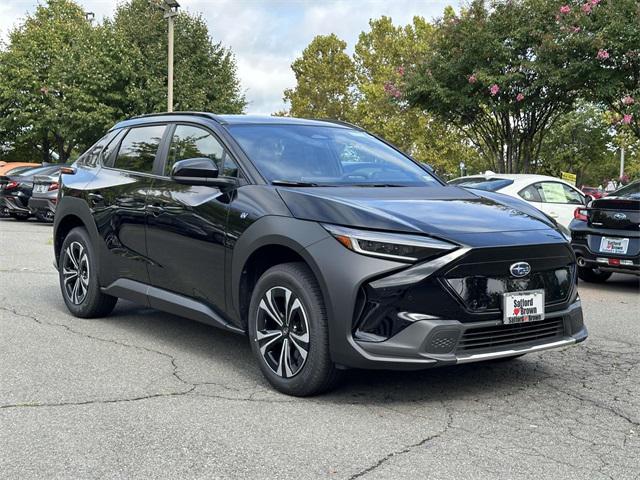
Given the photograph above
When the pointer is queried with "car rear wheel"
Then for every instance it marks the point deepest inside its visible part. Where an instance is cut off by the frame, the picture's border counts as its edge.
(289, 333)
(593, 275)
(78, 274)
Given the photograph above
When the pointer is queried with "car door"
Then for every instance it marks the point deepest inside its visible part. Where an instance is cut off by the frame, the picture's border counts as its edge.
(186, 223)
(559, 201)
(117, 199)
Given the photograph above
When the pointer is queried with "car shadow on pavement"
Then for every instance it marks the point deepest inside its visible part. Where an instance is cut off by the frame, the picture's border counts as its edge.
(218, 353)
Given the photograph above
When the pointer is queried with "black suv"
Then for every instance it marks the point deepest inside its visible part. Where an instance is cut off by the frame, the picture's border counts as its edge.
(327, 246)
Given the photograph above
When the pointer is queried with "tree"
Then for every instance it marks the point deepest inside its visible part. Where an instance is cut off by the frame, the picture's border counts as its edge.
(48, 75)
(325, 79)
(205, 75)
(488, 73)
(362, 90)
(63, 81)
(601, 44)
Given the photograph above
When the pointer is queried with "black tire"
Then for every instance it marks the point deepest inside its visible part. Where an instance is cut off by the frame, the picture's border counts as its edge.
(301, 375)
(89, 302)
(593, 275)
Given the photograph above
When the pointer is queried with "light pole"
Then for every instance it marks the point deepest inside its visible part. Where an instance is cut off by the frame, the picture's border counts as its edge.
(170, 8)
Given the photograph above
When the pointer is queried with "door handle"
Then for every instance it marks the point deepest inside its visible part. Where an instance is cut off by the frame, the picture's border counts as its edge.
(155, 210)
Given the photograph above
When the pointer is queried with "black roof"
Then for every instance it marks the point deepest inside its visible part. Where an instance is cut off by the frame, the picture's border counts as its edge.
(230, 119)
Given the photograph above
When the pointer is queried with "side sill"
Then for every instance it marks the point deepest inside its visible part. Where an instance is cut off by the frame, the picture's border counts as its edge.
(169, 302)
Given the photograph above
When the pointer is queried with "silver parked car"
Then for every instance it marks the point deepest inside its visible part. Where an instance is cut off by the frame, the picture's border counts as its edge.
(42, 203)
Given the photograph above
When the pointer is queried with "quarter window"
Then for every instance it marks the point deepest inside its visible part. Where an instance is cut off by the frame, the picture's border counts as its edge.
(530, 194)
(138, 149)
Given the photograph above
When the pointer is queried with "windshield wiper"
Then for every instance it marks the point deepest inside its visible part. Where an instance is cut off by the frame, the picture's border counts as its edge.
(293, 183)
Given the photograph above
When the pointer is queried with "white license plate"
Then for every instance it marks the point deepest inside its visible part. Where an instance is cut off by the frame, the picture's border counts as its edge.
(614, 245)
(40, 188)
(522, 307)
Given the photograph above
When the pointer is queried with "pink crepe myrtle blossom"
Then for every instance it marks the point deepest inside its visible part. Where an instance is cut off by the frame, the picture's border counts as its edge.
(565, 9)
(627, 119)
(602, 54)
(575, 29)
(520, 97)
(400, 70)
(494, 89)
(472, 78)
(391, 90)
(595, 2)
(586, 8)
(628, 100)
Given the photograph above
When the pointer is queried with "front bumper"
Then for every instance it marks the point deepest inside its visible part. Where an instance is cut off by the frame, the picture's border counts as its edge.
(422, 321)
(429, 343)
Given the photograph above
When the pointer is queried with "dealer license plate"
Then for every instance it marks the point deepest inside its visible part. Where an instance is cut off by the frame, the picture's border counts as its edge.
(614, 245)
(522, 307)
(40, 188)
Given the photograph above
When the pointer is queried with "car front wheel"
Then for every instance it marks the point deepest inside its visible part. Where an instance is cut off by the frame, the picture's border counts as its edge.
(289, 333)
(78, 274)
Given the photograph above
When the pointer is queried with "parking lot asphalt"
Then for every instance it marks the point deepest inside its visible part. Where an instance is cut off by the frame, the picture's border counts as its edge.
(144, 394)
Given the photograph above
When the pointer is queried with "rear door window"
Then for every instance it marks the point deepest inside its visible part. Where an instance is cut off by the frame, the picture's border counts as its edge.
(138, 148)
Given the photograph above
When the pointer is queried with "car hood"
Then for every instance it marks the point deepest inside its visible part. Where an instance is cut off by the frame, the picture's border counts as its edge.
(445, 211)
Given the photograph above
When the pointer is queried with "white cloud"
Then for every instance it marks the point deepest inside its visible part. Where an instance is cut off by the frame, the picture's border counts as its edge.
(266, 36)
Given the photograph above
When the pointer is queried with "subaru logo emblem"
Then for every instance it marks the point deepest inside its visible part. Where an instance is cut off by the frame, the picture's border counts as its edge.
(520, 269)
(620, 216)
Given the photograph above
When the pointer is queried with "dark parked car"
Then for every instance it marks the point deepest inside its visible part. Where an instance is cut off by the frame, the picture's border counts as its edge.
(606, 235)
(44, 196)
(325, 245)
(16, 190)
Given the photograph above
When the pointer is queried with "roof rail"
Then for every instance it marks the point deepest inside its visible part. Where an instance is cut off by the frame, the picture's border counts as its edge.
(339, 122)
(212, 116)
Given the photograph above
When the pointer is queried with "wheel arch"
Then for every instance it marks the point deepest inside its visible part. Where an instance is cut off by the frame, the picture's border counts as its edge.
(269, 242)
(71, 213)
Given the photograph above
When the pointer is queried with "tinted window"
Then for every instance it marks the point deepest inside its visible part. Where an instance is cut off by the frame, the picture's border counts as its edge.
(555, 192)
(90, 157)
(193, 142)
(481, 183)
(138, 149)
(40, 171)
(326, 156)
(530, 194)
(230, 167)
(630, 191)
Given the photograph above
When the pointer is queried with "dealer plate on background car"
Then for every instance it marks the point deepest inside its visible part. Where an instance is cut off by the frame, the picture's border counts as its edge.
(614, 245)
(40, 188)
(522, 307)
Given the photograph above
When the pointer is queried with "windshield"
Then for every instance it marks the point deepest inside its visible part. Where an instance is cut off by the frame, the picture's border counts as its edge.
(482, 183)
(321, 156)
(39, 171)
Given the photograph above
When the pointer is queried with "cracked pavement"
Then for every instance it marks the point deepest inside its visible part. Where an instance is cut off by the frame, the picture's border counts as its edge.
(144, 394)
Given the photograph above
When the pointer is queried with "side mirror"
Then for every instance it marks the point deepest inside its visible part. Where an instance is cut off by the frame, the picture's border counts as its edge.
(200, 171)
(587, 200)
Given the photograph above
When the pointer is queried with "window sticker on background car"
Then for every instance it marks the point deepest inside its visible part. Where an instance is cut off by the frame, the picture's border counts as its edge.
(553, 192)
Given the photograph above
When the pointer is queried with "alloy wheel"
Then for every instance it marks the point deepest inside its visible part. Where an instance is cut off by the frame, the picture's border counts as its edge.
(75, 273)
(282, 331)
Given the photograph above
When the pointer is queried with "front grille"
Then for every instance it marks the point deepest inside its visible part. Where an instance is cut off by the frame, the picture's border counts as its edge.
(506, 336)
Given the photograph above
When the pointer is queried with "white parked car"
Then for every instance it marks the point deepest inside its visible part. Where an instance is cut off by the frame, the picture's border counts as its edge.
(553, 196)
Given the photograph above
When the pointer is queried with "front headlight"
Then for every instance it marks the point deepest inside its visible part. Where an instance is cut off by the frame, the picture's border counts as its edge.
(393, 246)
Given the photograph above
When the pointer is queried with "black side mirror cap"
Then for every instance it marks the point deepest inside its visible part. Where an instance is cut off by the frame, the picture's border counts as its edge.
(201, 171)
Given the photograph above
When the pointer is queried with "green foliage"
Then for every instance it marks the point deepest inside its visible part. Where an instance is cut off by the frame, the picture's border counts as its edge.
(204, 72)
(601, 41)
(491, 73)
(63, 81)
(325, 75)
(362, 90)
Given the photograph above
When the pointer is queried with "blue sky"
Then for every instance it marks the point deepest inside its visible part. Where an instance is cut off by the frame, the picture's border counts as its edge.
(267, 35)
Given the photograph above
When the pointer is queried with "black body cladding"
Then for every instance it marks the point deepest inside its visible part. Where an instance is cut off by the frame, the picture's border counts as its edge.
(198, 250)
